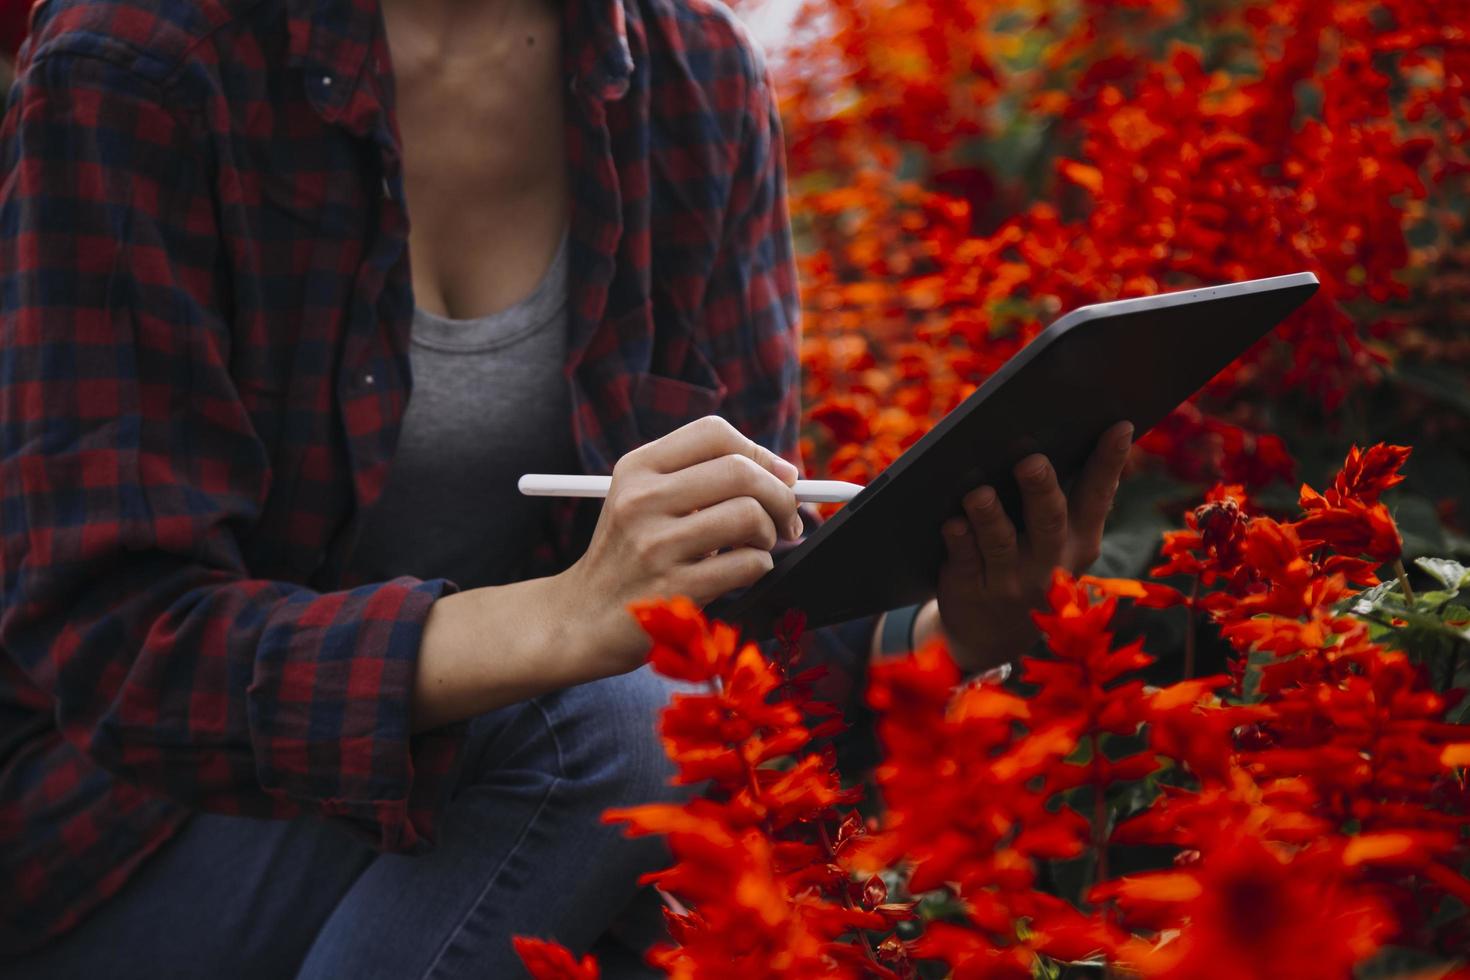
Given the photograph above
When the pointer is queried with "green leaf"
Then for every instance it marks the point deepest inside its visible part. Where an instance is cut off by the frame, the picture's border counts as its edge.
(1137, 797)
(1365, 603)
(1451, 574)
(1251, 687)
(1460, 713)
(1045, 968)
(1418, 620)
(941, 905)
(1378, 632)
(1128, 552)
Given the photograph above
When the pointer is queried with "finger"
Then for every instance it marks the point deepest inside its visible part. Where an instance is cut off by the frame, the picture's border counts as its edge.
(707, 438)
(963, 550)
(1093, 495)
(707, 580)
(1045, 508)
(726, 478)
(995, 536)
(734, 523)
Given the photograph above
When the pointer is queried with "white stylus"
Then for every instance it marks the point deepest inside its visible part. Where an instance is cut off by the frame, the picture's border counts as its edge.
(570, 485)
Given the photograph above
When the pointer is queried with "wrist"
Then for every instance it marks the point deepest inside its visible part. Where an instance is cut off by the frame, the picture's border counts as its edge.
(485, 648)
(930, 625)
(573, 634)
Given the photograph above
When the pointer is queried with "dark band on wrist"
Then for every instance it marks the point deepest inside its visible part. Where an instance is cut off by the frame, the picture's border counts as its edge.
(898, 630)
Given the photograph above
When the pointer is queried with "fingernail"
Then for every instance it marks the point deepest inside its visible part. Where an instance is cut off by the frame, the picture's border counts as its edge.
(1125, 438)
(788, 468)
(794, 529)
(1036, 469)
(984, 497)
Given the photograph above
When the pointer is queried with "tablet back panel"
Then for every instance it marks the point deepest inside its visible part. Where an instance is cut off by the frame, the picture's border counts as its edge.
(1133, 359)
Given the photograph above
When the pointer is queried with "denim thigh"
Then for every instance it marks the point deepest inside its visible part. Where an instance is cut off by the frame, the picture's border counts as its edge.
(521, 850)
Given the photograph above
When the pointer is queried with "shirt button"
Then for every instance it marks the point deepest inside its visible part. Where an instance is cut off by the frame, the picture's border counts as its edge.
(387, 190)
(326, 81)
(368, 380)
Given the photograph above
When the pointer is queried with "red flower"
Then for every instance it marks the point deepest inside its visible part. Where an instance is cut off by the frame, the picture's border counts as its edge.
(685, 647)
(1367, 473)
(552, 961)
(1253, 909)
(754, 863)
(1350, 527)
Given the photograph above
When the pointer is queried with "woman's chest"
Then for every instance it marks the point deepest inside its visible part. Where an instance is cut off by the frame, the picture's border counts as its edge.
(482, 123)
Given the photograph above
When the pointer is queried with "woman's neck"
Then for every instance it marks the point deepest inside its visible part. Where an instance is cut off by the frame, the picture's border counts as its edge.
(481, 98)
(433, 32)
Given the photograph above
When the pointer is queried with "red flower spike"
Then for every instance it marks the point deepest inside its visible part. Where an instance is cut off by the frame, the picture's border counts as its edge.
(761, 900)
(685, 647)
(1366, 474)
(552, 961)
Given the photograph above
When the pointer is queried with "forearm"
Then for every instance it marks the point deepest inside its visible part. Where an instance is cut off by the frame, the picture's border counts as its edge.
(488, 647)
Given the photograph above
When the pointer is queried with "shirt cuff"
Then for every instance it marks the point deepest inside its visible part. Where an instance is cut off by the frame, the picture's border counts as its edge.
(331, 713)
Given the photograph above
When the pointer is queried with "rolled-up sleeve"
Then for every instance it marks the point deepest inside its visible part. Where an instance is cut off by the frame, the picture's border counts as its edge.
(131, 473)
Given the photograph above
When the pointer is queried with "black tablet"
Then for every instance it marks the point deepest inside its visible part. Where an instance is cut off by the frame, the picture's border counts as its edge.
(1135, 359)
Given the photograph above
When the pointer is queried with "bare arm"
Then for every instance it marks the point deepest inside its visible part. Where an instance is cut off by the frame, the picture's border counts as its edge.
(493, 646)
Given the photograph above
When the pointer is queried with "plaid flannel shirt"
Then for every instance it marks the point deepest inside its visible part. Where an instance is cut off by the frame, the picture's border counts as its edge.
(204, 309)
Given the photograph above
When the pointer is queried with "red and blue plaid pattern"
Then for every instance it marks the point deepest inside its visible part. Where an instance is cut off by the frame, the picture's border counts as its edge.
(204, 310)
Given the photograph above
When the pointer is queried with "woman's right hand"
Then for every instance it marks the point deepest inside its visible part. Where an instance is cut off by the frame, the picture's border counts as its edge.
(693, 513)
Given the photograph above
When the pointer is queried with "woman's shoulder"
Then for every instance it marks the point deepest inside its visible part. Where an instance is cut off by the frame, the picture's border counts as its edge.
(707, 36)
(154, 39)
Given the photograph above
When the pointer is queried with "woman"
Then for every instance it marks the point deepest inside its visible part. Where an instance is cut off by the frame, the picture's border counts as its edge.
(294, 682)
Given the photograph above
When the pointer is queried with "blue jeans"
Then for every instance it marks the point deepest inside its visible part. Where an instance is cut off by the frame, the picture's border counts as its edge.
(521, 852)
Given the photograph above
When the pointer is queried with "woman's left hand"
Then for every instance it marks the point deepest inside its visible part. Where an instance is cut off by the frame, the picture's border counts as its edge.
(992, 578)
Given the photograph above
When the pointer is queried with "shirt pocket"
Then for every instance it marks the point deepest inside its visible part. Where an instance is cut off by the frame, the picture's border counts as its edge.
(662, 404)
(683, 384)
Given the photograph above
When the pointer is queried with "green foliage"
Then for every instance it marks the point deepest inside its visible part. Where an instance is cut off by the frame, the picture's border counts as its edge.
(1432, 626)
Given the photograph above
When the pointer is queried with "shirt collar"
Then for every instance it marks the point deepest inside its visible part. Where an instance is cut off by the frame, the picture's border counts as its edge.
(330, 40)
(601, 61)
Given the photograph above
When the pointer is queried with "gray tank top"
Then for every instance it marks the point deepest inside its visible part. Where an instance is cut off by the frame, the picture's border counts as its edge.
(489, 402)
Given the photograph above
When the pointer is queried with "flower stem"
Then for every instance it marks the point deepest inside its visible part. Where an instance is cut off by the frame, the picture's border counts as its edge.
(826, 839)
(1099, 813)
(1398, 567)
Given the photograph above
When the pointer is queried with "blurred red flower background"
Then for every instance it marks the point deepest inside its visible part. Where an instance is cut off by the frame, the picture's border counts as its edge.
(1240, 753)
